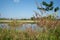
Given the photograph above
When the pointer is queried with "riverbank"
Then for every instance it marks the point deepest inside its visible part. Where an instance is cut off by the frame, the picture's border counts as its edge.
(6, 34)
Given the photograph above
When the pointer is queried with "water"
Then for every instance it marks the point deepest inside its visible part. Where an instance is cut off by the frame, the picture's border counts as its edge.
(23, 27)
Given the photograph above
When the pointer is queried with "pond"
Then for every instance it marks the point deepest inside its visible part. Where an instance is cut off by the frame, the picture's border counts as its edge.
(23, 27)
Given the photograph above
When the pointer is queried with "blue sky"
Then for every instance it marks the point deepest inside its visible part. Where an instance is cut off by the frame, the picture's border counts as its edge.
(20, 8)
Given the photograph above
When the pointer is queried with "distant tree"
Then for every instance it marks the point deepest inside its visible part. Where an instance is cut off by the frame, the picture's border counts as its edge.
(32, 18)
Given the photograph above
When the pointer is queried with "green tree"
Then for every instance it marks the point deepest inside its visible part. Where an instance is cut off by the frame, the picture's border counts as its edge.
(32, 18)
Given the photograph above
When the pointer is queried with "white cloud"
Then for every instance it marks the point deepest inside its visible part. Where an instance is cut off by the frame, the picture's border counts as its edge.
(16, 1)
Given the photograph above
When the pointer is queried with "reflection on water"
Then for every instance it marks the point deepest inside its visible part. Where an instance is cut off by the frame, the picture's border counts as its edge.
(23, 27)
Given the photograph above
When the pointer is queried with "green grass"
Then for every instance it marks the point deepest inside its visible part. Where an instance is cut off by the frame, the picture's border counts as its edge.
(51, 34)
(6, 34)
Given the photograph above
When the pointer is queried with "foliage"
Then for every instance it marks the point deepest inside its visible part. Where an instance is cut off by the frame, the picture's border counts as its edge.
(4, 19)
(6, 34)
(48, 6)
(32, 18)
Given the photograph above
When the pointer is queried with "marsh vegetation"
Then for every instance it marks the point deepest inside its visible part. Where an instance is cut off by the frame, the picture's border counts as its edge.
(46, 28)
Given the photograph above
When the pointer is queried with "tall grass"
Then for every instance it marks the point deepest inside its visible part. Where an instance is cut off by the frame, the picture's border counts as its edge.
(6, 34)
(51, 31)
